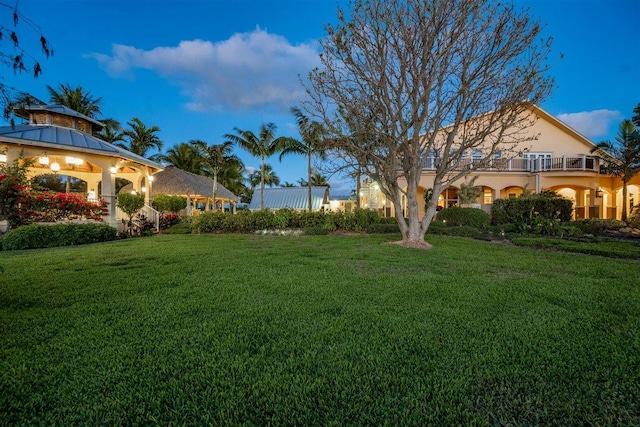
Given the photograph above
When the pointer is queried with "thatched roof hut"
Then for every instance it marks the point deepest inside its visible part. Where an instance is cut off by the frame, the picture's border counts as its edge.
(195, 188)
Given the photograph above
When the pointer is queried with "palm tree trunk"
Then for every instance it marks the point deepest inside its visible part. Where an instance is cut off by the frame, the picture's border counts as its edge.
(624, 201)
(309, 180)
(215, 185)
(262, 184)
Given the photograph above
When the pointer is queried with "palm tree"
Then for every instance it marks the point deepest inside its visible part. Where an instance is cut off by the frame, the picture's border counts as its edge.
(140, 138)
(317, 180)
(264, 145)
(216, 157)
(264, 177)
(312, 134)
(183, 156)
(76, 99)
(111, 132)
(623, 158)
(288, 184)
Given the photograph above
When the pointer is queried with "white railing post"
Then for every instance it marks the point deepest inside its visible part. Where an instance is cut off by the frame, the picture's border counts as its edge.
(564, 163)
(584, 162)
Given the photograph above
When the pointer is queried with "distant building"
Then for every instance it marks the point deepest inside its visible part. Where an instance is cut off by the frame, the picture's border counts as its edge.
(296, 198)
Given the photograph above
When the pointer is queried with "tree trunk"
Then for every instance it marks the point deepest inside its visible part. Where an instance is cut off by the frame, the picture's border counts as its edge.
(262, 184)
(215, 185)
(413, 231)
(358, 178)
(309, 172)
(624, 201)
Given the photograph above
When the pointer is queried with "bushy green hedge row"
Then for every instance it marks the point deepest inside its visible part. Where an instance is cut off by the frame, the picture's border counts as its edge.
(528, 209)
(45, 236)
(598, 225)
(247, 221)
(469, 217)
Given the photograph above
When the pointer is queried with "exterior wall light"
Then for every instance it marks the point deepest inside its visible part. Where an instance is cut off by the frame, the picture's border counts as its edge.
(113, 169)
(55, 167)
(151, 178)
(3, 158)
(599, 193)
(43, 160)
(144, 189)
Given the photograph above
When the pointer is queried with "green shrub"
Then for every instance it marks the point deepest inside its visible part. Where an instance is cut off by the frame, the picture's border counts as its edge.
(387, 220)
(470, 217)
(315, 231)
(208, 222)
(438, 228)
(365, 217)
(598, 225)
(287, 218)
(45, 236)
(167, 203)
(526, 208)
(380, 228)
(311, 219)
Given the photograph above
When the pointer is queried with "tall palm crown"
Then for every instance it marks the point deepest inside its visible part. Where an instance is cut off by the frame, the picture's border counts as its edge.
(624, 157)
(263, 145)
(183, 156)
(111, 132)
(141, 138)
(216, 159)
(267, 174)
(312, 134)
(76, 99)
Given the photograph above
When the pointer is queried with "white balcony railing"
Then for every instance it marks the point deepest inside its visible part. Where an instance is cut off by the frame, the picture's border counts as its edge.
(582, 163)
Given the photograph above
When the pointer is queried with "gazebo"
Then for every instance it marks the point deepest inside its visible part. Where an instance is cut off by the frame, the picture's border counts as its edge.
(60, 141)
(197, 189)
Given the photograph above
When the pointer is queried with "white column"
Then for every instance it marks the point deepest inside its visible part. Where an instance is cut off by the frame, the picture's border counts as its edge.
(109, 195)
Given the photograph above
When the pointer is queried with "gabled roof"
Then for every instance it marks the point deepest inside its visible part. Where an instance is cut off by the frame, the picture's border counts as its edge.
(290, 197)
(562, 125)
(52, 136)
(174, 181)
(58, 109)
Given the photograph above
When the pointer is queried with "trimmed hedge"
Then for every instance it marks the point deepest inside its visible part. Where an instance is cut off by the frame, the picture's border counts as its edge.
(247, 221)
(527, 209)
(36, 236)
(383, 228)
(465, 217)
(598, 225)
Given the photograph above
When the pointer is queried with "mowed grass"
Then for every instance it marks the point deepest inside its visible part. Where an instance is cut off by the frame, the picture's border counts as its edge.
(317, 330)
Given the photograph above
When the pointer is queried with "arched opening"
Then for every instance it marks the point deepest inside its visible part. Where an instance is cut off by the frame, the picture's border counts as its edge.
(60, 183)
(448, 198)
(511, 192)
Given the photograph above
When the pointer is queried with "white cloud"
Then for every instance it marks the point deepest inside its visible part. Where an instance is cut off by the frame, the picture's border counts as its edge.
(592, 124)
(246, 71)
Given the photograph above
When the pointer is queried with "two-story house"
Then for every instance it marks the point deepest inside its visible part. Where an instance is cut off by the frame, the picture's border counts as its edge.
(556, 158)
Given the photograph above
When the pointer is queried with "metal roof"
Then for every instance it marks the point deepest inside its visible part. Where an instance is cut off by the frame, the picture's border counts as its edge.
(59, 109)
(52, 136)
(290, 197)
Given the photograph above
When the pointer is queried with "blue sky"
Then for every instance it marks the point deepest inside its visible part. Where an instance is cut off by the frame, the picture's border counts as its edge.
(200, 68)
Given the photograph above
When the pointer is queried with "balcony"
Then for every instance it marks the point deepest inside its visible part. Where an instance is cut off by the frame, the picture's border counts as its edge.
(518, 164)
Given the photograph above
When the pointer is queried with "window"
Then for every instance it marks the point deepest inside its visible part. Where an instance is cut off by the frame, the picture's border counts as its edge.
(539, 161)
(488, 196)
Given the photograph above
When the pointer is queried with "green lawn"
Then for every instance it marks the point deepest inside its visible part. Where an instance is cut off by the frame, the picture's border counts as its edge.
(317, 330)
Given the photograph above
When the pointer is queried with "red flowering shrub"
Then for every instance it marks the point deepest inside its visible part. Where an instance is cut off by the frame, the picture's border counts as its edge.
(50, 207)
(169, 220)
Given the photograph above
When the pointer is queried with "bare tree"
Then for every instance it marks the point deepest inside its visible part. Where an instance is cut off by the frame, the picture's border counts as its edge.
(403, 80)
(15, 53)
